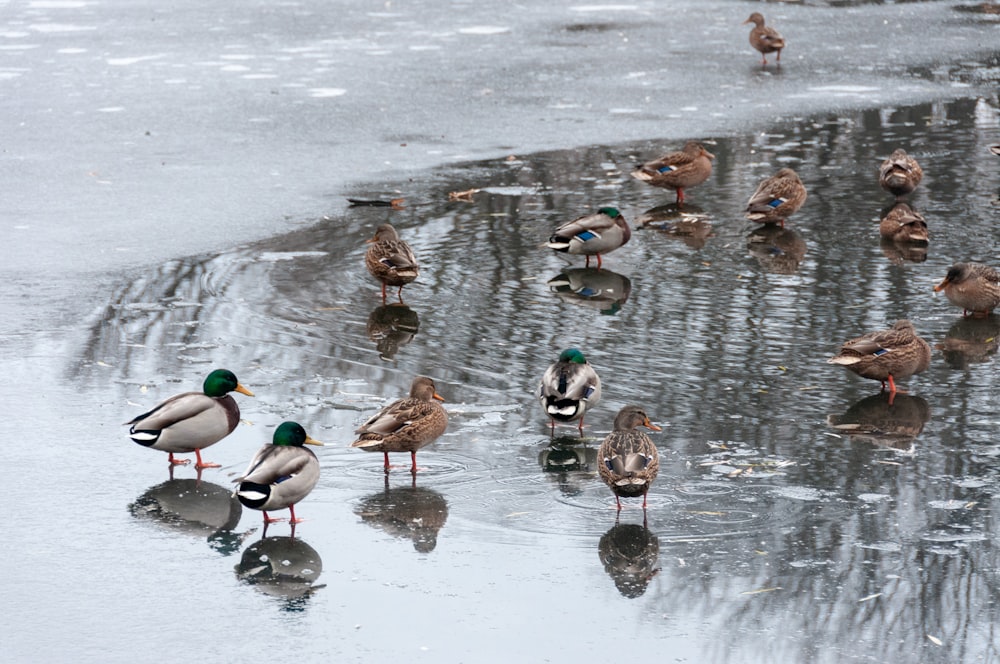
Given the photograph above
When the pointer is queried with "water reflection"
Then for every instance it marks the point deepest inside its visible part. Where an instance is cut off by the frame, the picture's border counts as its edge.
(971, 340)
(194, 507)
(690, 224)
(282, 567)
(599, 288)
(407, 512)
(570, 464)
(885, 421)
(629, 553)
(392, 326)
(777, 249)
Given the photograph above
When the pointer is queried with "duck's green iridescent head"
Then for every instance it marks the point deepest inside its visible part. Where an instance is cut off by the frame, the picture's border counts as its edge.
(291, 434)
(572, 355)
(221, 382)
(610, 211)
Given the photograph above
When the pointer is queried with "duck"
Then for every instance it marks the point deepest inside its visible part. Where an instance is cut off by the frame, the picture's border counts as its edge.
(904, 224)
(973, 286)
(765, 38)
(390, 260)
(592, 234)
(678, 170)
(900, 173)
(627, 460)
(568, 388)
(776, 198)
(191, 421)
(886, 355)
(281, 474)
(995, 149)
(406, 425)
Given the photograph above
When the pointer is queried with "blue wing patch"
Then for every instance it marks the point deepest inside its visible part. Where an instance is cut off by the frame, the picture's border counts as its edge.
(586, 235)
(666, 169)
(775, 202)
(880, 351)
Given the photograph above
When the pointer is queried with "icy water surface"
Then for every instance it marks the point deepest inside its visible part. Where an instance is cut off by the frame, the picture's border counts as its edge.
(798, 515)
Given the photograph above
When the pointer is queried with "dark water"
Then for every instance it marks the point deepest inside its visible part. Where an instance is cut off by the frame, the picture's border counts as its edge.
(798, 516)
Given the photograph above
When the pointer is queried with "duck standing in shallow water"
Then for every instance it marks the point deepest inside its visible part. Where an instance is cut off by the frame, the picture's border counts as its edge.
(776, 198)
(592, 234)
(678, 170)
(904, 224)
(973, 286)
(281, 474)
(764, 38)
(191, 421)
(569, 387)
(627, 460)
(900, 173)
(886, 355)
(390, 260)
(405, 425)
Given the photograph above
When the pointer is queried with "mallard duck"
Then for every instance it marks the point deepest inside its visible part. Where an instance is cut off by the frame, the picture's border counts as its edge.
(569, 387)
(995, 149)
(904, 224)
(191, 421)
(627, 459)
(592, 234)
(886, 355)
(390, 260)
(973, 286)
(764, 38)
(405, 425)
(776, 198)
(900, 173)
(678, 170)
(280, 474)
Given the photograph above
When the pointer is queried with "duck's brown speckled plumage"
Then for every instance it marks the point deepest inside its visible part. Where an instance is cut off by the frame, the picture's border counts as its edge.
(904, 224)
(776, 198)
(390, 260)
(886, 355)
(765, 38)
(678, 170)
(900, 173)
(973, 286)
(406, 425)
(627, 460)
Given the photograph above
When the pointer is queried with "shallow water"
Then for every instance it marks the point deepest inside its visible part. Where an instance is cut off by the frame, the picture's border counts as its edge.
(772, 534)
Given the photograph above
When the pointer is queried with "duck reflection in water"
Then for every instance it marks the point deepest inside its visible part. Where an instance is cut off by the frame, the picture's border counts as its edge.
(569, 463)
(193, 507)
(971, 341)
(283, 567)
(629, 553)
(777, 249)
(690, 224)
(884, 420)
(407, 512)
(599, 288)
(392, 326)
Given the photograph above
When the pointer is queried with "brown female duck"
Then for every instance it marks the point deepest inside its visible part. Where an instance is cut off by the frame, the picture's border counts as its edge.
(627, 459)
(406, 425)
(765, 38)
(900, 173)
(390, 260)
(973, 286)
(904, 224)
(678, 170)
(886, 355)
(776, 198)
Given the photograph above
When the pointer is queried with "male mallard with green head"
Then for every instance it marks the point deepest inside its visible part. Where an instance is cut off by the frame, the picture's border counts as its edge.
(390, 260)
(678, 170)
(627, 460)
(900, 173)
(405, 425)
(592, 234)
(191, 421)
(776, 198)
(569, 387)
(281, 474)
(973, 286)
(765, 38)
(886, 355)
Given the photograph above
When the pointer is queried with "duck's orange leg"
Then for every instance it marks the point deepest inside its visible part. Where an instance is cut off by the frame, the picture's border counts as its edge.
(204, 464)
